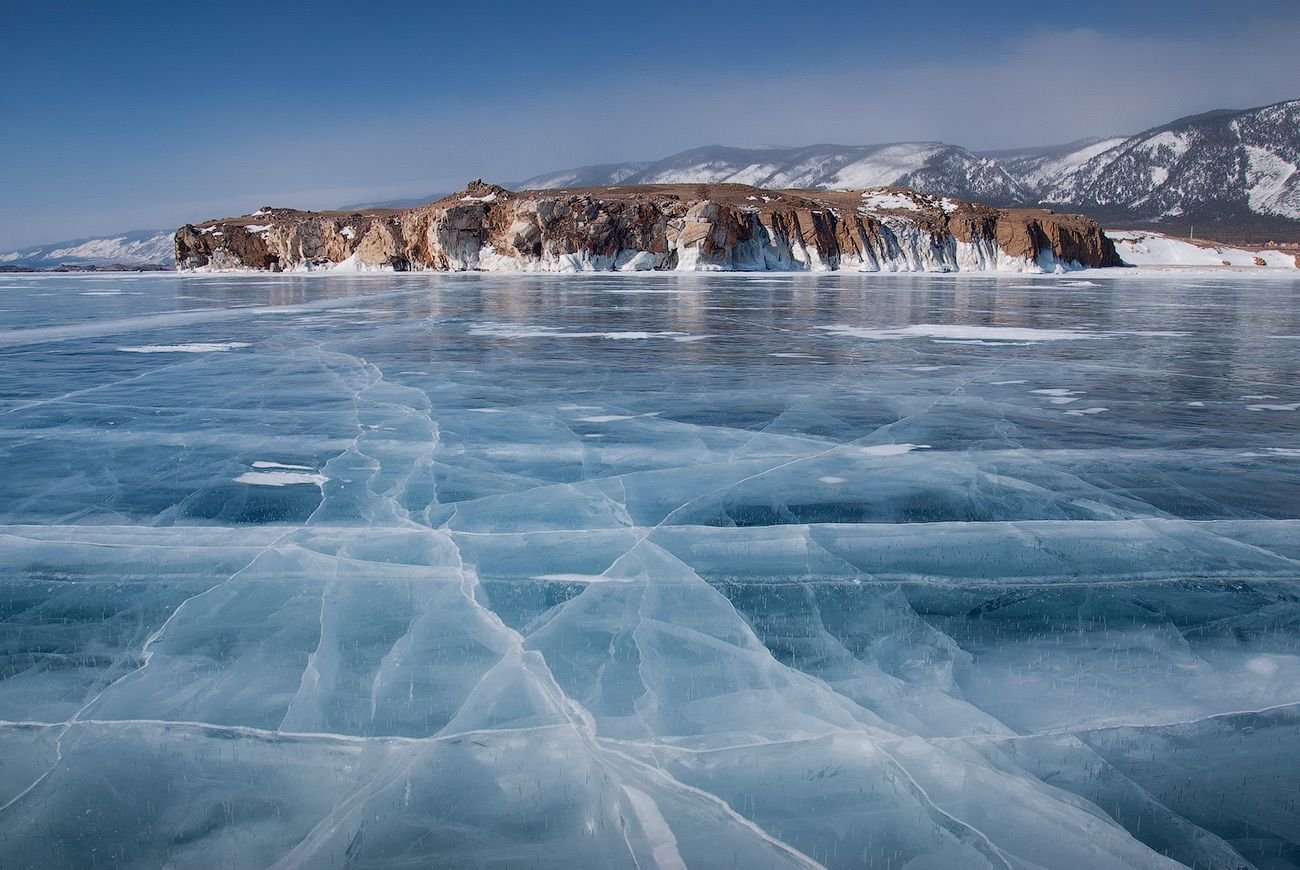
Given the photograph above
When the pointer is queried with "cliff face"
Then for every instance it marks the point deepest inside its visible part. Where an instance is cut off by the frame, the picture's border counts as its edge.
(670, 226)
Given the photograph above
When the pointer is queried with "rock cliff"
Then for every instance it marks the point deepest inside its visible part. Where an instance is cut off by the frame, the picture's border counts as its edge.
(705, 227)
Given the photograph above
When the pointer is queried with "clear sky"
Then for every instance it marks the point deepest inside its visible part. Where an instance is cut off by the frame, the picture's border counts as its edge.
(138, 114)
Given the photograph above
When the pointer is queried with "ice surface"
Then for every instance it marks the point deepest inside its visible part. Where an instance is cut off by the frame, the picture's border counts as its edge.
(897, 571)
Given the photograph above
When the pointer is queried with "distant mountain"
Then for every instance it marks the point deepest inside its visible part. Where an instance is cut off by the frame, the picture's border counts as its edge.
(1233, 175)
(1037, 169)
(586, 176)
(930, 167)
(405, 202)
(135, 248)
(1221, 166)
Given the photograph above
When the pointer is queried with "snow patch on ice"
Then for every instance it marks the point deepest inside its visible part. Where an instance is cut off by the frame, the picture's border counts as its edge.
(280, 478)
(196, 347)
(613, 418)
(960, 331)
(512, 330)
(892, 449)
(1274, 452)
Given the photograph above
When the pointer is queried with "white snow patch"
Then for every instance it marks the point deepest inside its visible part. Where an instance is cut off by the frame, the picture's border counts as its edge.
(1274, 183)
(960, 331)
(887, 201)
(1155, 249)
(655, 830)
(511, 330)
(280, 478)
(197, 347)
(1274, 452)
(892, 449)
(581, 578)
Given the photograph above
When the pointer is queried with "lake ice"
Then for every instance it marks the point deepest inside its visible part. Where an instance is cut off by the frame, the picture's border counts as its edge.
(650, 571)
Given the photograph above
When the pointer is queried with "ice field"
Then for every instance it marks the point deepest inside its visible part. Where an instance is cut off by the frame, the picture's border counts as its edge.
(840, 570)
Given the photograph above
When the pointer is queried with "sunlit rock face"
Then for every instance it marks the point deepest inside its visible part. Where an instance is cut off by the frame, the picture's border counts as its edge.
(681, 227)
(662, 570)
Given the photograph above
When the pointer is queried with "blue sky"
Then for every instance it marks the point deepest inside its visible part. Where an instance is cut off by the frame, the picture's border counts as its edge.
(147, 114)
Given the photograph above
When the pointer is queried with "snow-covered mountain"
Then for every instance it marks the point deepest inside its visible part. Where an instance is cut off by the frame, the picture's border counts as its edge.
(1221, 169)
(1037, 169)
(930, 167)
(1233, 174)
(135, 248)
(1219, 166)
(586, 176)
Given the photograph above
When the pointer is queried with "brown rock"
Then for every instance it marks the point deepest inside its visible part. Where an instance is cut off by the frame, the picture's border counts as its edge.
(719, 225)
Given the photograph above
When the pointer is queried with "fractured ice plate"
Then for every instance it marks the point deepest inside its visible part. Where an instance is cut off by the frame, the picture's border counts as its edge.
(276, 591)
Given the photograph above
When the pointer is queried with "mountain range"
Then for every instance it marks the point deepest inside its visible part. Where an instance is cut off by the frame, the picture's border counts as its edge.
(1230, 172)
(1227, 174)
(133, 248)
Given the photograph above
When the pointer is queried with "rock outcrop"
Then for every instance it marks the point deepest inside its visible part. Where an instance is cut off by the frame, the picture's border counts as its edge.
(705, 227)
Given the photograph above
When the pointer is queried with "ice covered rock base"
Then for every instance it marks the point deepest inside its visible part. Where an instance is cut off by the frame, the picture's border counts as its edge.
(682, 227)
(669, 570)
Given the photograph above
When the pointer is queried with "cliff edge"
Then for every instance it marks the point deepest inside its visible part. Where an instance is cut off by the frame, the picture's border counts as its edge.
(692, 227)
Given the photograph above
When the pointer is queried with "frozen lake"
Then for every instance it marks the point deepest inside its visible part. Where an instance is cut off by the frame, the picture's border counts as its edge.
(661, 570)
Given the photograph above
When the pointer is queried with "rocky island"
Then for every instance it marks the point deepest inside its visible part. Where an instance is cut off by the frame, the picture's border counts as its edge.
(687, 227)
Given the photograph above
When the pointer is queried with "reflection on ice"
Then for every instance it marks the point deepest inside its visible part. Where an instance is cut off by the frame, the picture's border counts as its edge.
(471, 571)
